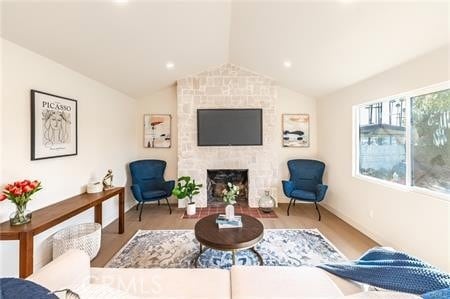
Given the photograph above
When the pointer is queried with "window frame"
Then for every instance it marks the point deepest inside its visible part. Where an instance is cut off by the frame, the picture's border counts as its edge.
(407, 187)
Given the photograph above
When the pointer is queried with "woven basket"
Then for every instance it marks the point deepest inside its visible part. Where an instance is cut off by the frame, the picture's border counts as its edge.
(86, 237)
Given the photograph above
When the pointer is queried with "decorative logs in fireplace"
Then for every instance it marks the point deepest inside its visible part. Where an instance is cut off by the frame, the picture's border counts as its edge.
(217, 180)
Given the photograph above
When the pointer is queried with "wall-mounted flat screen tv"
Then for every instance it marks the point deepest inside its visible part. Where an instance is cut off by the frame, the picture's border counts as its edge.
(222, 127)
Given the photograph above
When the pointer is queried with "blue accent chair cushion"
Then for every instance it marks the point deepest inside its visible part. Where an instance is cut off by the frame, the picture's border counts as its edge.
(305, 181)
(305, 195)
(12, 288)
(148, 182)
(152, 194)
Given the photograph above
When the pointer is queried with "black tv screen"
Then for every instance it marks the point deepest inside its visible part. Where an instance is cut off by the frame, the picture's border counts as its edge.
(221, 127)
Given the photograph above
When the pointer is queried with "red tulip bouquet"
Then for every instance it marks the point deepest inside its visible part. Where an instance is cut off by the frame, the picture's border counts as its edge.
(20, 194)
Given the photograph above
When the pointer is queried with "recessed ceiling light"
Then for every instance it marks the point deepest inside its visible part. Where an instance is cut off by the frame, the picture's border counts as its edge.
(121, 2)
(170, 65)
(287, 64)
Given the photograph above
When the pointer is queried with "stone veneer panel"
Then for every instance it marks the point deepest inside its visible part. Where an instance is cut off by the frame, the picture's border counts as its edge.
(228, 86)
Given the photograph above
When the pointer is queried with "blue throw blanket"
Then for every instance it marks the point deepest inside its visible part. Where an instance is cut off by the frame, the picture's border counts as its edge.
(392, 270)
(441, 294)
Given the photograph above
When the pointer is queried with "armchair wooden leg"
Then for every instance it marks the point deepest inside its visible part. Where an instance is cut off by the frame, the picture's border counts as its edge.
(317, 208)
(289, 206)
(159, 203)
(137, 206)
(170, 209)
(140, 213)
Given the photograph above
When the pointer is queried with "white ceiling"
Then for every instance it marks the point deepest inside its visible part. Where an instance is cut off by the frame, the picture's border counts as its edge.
(333, 45)
(330, 44)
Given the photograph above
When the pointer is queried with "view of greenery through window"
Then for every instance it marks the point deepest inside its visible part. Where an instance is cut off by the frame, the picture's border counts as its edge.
(431, 141)
(383, 140)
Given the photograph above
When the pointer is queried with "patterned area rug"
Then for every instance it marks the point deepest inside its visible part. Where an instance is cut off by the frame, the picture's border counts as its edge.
(178, 249)
(254, 212)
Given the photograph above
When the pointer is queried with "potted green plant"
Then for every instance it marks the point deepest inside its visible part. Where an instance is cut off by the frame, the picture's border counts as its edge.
(187, 188)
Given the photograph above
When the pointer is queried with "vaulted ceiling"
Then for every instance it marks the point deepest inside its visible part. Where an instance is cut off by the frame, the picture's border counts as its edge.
(329, 45)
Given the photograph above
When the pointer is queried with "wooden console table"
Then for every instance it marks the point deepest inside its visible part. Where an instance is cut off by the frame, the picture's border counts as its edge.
(54, 214)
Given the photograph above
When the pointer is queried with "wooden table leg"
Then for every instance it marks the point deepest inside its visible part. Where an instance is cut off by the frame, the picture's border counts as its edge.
(121, 212)
(98, 213)
(25, 254)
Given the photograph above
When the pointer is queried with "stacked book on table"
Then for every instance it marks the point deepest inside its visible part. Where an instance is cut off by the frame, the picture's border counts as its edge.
(223, 222)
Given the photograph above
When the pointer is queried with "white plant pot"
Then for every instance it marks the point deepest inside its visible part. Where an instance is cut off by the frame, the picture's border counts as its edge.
(190, 209)
(229, 212)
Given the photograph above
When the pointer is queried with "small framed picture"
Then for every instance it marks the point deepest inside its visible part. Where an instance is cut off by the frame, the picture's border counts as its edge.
(53, 126)
(295, 130)
(157, 130)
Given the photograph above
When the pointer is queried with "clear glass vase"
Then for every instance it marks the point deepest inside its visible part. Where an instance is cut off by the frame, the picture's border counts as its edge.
(20, 216)
(266, 202)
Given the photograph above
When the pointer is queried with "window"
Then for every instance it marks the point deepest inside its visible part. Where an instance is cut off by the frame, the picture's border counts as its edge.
(382, 147)
(431, 141)
(405, 139)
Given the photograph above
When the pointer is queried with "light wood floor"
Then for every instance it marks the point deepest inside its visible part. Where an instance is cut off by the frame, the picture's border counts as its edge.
(348, 240)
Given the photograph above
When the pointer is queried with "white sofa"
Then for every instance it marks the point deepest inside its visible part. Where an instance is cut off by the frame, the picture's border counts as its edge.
(72, 270)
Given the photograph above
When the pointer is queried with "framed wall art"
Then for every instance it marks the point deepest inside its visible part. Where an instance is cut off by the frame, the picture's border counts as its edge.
(157, 130)
(53, 126)
(295, 130)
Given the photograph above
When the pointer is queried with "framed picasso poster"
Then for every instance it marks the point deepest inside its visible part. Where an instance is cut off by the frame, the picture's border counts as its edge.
(53, 126)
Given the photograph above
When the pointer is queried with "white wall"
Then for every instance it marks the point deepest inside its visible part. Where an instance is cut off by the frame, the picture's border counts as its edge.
(161, 102)
(106, 140)
(293, 102)
(165, 101)
(410, 221)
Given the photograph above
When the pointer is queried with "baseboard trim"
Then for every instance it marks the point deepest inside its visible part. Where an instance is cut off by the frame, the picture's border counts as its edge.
(358, 226)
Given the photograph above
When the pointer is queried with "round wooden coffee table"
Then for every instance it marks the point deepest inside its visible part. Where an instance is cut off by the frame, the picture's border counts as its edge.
(209, 235)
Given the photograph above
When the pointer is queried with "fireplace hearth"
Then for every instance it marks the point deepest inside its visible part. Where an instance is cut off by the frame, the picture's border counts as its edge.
(217, 179)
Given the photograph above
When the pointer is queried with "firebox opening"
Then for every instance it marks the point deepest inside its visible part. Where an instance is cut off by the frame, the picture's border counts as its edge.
(217, 179)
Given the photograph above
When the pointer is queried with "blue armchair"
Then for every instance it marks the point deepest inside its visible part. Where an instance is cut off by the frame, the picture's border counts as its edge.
(305, 182)
(148, 182)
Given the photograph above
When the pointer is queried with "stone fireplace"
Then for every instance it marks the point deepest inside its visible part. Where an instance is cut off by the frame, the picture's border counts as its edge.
(217, 180)
(228, 86)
